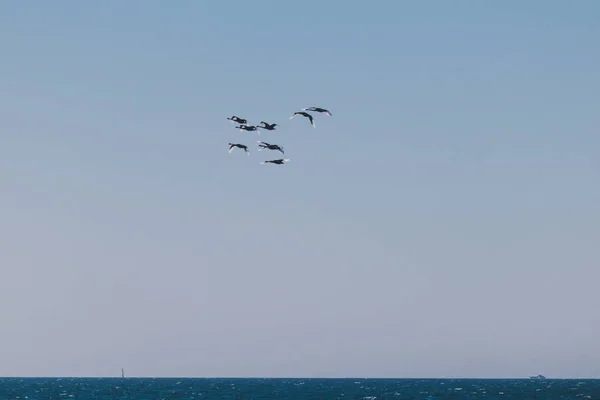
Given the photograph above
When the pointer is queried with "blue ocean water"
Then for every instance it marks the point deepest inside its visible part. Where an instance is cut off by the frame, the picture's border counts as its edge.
(296, 389)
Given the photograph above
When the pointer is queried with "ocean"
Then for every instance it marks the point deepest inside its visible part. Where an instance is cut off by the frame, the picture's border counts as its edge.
(294, 389)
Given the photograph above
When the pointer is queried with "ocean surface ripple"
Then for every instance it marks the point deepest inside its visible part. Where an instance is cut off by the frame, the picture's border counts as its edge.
(295, 389)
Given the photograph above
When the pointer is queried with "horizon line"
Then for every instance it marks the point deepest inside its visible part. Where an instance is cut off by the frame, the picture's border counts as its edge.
(292, 377)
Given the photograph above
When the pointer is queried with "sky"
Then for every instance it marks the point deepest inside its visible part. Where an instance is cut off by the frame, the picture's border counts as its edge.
(443, 222)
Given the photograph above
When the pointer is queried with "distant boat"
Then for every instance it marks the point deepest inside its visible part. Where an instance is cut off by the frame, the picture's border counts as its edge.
(538, 377)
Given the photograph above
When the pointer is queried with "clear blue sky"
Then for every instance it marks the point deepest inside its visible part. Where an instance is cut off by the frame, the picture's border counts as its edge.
(444, 222)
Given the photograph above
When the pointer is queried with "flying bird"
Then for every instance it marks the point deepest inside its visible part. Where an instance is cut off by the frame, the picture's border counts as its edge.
(279, 161)
(250, 128)
(304, 114)
(318, 109)
(238, 120)
(269, 127)
(265, 145)
(241, 146)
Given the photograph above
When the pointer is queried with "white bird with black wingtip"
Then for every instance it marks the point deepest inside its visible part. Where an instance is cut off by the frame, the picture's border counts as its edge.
(279, 161)
(305, 114)
(238, 145)
(317, 109)
(264, 145)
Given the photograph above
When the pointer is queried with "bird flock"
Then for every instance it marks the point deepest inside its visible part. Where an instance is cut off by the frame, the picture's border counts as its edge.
(243, 126)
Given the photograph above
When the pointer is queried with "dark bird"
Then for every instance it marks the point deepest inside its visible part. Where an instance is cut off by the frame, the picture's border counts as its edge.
(280, 161)
(250, 128)
(269, 127)
(238, 120)
(304, 114)
(318, 109)
(241, 146)
(265, 145)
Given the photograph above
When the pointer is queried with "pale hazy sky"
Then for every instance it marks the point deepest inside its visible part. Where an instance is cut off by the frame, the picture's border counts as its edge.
(445, 222)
